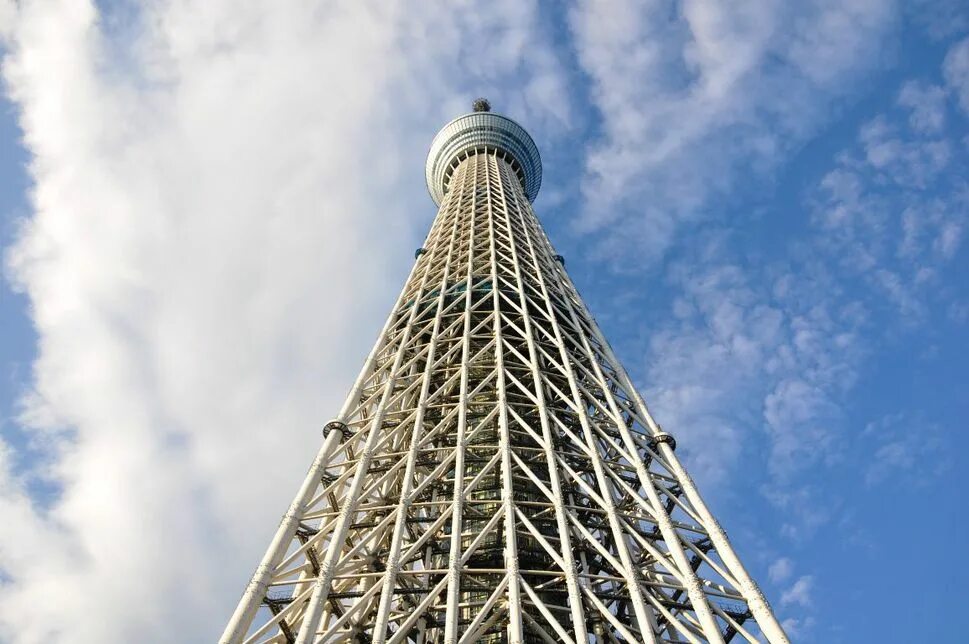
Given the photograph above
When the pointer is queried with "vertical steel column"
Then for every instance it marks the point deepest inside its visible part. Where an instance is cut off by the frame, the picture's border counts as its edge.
(457, 508)
(514, 628)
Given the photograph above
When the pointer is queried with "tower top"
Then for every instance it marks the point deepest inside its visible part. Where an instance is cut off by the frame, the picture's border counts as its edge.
(482, 131)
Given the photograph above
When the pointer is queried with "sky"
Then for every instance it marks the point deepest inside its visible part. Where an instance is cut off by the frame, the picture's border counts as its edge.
(207, 209)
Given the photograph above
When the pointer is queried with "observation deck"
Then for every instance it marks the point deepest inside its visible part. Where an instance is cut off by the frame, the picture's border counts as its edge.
(478, 132)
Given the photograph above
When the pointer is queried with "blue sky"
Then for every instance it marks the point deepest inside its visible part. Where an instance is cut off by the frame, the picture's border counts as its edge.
(205, 212)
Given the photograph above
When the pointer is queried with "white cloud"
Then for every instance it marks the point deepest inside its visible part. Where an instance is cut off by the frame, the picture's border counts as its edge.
(805, 509)
(904, 450)
(799, 594)
(956, 71)
(801, 417)
(780, 570)
(927, 103)
(798, 627)
(909, 162)
(227, 199)
(8, 15)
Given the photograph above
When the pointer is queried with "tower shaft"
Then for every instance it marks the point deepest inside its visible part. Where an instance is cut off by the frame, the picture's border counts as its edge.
(493, 475)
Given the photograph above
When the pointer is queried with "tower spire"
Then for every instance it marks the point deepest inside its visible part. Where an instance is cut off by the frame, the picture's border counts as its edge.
(494, 476)
(481, 105)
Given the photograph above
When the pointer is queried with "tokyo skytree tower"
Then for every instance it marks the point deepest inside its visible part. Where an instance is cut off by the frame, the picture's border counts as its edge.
(494, 476)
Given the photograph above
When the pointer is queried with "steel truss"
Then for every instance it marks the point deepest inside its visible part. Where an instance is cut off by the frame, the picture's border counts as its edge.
(494, 476)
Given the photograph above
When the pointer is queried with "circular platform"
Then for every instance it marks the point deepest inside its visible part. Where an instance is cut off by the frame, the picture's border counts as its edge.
(477, 132)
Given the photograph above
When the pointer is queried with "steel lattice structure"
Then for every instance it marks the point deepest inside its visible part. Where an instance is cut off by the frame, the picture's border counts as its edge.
(494, 476)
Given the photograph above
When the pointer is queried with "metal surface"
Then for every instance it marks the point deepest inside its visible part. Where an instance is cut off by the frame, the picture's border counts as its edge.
(493, 475)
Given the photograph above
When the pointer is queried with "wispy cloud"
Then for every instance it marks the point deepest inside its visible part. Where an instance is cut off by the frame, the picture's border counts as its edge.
(956, 71)
(905, 449)
(697, 94)
(780, 570)
(799, 594)
(927, 103)
(892, 211)
(753, 355)
(798, 627)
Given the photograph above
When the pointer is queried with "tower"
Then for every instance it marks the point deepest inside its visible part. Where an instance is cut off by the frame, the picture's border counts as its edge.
(494, 476)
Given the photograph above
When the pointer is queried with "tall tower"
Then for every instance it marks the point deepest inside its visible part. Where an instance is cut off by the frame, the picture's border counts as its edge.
(493, 475)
